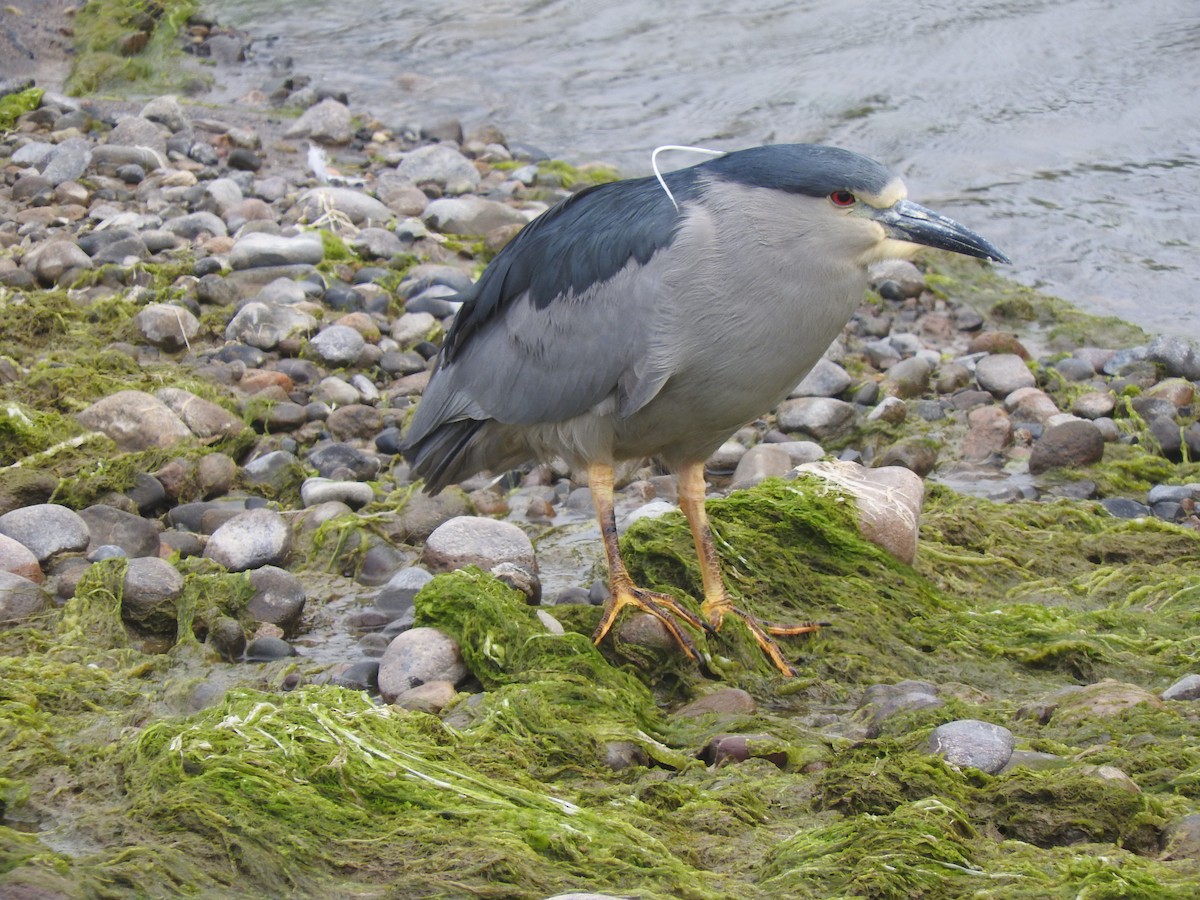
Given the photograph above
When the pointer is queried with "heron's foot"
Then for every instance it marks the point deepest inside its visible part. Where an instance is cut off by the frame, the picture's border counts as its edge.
(663, 607)
(764, 632)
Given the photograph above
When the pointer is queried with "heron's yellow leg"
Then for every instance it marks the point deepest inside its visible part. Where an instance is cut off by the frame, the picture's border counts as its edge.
(622, 591)
(716, 599)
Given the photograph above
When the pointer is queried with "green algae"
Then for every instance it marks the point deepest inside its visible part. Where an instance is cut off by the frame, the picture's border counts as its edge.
(1042, 318)
(13, 105)
(119, 43)
(321, 791)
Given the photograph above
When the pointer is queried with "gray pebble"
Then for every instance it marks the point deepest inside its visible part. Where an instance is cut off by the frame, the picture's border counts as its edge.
(476, 541)
(355, 494)
(821, 417)
(279, 598)
(417, 656)
(1002, 373)
(969, 742)
(46, 529)
(338, 345)
(149, 592)
(255, 250)
(20, 599)
(251, 539)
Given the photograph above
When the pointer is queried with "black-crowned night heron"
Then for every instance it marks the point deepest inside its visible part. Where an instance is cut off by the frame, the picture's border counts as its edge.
(631, 322)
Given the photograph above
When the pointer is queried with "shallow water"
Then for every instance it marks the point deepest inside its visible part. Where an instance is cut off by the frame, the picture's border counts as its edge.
(1066, 131)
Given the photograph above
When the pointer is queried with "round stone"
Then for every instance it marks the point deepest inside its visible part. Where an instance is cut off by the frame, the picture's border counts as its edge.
(416, 657)
(969, 742)
(255, 538)
(475, 541)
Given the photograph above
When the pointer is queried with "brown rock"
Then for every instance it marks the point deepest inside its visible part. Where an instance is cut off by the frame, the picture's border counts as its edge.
(1069, 445)
(997, 342)
(989, 431)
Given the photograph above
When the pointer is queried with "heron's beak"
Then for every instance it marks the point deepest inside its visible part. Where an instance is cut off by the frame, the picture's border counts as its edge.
(908, 221)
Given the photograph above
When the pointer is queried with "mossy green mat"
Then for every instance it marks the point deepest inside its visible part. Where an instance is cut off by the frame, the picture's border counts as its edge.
(112, 789)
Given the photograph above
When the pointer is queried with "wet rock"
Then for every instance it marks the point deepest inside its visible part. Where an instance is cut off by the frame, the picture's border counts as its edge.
(1125, 507)
(908, 378)
(1070, 445)
(20, 599)
(760, 462)
(255, 538)
(888, 502)
(268, 648)
(167, 326)
(377, 243)
(881, 702)
(470, 215)
(360, 208)
(56, 259)
(362, 676)
(1094, 405)
(820, 417)
(258, 249)
(721, 702)
(148, 595)
(737, 748)
(474, 541)
(355, 422)
(135, 421)
(328, 122)
(441, 165)
(166, 111)
(135, 535)
(203, 418)
(997, 342)
(1002, 374)
(46, 530)
(17, 559)
(969, 742)
(825, 379)
(618, 756)
(227, 638)
(1186, 688)
(68, 161)
(275, 470)
(338, 345)
(917, 454)
(904, 280)
(329, 457)
(989, 432)
(265, 325)
(136, 131)
(1031, 405)
(431, 697)
(418, 656)
(1181, 838)
(354, 494)
(398, 595)
(892, 410)
(194, 226)
(279, 598)
(1179, 357)
(1100, 700)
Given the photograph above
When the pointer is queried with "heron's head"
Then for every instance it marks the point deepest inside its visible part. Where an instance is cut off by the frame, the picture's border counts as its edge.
(850, 201)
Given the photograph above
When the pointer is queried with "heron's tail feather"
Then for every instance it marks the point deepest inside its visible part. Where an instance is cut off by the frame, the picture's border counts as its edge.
(456, 450)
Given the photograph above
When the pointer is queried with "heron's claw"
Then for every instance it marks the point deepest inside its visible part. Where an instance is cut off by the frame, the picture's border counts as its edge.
(663, 607)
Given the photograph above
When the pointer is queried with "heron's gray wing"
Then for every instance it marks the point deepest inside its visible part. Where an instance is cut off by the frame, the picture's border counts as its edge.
(563, 316)
(581, 242)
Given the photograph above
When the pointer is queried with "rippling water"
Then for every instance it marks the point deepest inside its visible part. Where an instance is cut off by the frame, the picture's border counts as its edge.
(1066, 131)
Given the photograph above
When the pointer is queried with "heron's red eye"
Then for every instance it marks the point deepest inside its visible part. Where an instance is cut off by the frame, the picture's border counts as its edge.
(842, 198)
